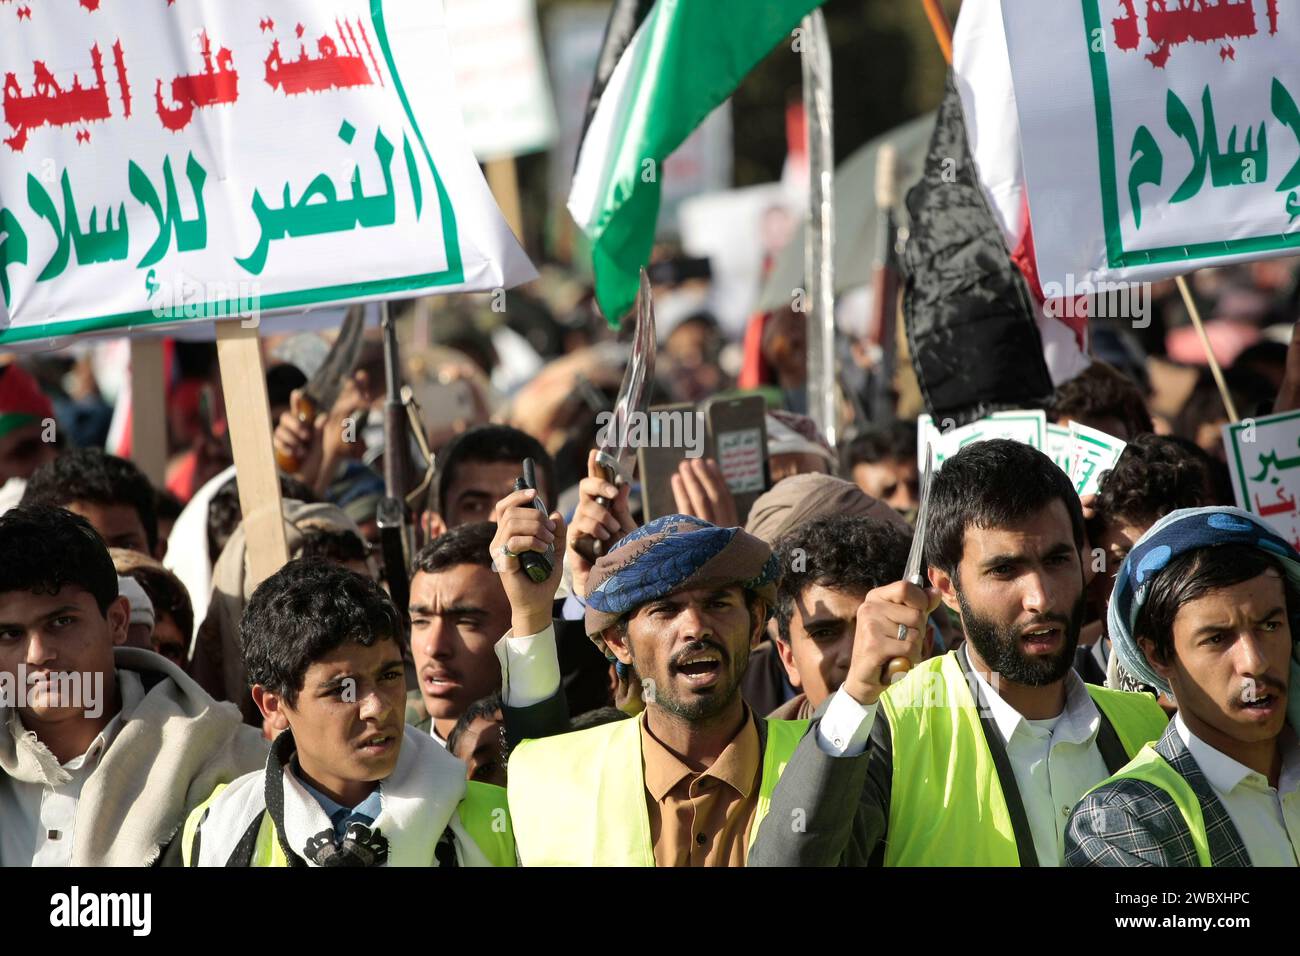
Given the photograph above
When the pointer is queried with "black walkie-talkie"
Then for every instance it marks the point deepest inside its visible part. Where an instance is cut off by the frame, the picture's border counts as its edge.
(536, 564)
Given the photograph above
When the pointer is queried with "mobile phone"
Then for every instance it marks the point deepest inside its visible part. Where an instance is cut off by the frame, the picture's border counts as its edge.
(658, 457)
(737, 432)
(536, 564)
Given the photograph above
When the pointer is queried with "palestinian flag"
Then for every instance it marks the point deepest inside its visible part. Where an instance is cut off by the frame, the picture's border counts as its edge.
(666, 64)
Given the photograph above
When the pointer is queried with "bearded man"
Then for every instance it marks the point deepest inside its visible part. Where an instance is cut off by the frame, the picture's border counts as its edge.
(977, 757)
(680, 602)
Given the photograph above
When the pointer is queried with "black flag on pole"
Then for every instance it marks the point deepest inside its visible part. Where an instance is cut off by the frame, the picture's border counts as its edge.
(967, 309)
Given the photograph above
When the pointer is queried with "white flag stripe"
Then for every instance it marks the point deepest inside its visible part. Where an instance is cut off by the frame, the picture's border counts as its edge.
(595, 154)
(988, 98)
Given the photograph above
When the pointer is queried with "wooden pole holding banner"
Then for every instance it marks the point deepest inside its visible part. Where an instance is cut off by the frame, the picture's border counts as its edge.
(939, 24)
(503, 180)
(248, 412)
(149, 409)
(1194, 311)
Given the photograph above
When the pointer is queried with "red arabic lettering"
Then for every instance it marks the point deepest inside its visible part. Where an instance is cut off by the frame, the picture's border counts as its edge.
(216, 84)
(49, 104)
(119, 61)
(1170, 23)
(329, 70)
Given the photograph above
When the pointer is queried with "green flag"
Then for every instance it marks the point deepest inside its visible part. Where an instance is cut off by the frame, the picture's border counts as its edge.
(683, 60)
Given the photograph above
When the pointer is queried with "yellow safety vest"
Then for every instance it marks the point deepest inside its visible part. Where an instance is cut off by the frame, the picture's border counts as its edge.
(946, 803)
(1149, 767)
(579, 799)
(480, 812)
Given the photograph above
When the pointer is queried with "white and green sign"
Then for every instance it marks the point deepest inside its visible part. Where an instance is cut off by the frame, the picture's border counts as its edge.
(1158, 135)
(164, 163)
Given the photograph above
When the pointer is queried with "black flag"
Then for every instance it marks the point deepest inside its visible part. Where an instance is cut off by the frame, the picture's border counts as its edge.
(967, 309)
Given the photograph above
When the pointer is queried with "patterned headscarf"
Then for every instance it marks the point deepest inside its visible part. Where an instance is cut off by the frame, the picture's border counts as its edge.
(1179, 532)
(675, 553)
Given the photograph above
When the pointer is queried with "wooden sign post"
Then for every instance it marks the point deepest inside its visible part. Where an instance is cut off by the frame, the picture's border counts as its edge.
(149, 409)
(248, 411)
(503, 180)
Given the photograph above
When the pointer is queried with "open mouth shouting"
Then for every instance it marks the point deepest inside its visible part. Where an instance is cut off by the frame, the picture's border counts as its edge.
(700, 664)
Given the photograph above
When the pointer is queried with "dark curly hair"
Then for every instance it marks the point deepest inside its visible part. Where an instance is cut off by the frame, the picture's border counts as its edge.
(1155, 475)
(857, 553)
(993, 484)
(1102, 391)
(93, 475)
(43, 549)
(468, 544)
(304, 611)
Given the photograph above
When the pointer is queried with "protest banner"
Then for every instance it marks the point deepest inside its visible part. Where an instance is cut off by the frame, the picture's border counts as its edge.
(168, 163)
(1157, 137)
(1263, 453)
(174, 164)
(1026, 426)
(1092, 454)
(1059, 445)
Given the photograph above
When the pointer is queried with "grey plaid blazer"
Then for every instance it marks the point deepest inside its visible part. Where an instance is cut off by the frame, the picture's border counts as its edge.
(1132, 823)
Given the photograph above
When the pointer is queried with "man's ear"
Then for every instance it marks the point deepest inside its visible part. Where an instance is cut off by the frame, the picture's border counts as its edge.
(613, 638)
(1148, 647)
(786, 653)
(758, 610)
(947, 586)
(272, 706)
(160, 549)
(119, 620)
(433, 526)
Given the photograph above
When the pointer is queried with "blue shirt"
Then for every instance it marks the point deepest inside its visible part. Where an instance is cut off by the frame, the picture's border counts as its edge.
(367, 811)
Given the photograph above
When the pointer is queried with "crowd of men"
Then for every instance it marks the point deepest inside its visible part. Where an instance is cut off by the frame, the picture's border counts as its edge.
(1090, 682)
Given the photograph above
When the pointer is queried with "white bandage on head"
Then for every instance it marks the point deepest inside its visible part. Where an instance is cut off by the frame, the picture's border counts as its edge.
(141, 607)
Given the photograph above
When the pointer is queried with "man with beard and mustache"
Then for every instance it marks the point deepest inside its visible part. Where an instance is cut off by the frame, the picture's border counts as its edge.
(1204, 607)
(680, 601)
(982, 752)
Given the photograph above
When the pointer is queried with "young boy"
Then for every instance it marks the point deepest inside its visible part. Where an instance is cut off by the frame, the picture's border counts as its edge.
(346, 782)
(104, 749)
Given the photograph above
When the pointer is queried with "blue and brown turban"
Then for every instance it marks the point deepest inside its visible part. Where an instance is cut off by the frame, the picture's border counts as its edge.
(675, 553)
(1174, 535)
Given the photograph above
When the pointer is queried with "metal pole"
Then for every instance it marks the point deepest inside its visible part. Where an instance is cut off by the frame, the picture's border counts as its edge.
(819, 261)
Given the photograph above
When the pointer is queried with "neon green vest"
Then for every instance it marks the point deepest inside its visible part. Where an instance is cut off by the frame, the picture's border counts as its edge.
(480, 812)
(579, 799)
(1149, 767)
(946, 806)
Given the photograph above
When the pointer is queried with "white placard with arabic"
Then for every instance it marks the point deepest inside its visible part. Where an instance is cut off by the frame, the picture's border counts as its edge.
(165, 163)
(501, 77)
(1028, 427)
(1264, 459)
(1157, 135)
(1092, 454)
(1059, 446)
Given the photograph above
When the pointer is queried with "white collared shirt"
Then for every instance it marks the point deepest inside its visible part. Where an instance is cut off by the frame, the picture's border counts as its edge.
(1054, 761)
(1267, 819)
(39, 821)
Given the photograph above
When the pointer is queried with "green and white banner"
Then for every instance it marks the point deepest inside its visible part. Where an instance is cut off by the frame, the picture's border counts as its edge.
(1158, 135)
(165, 163)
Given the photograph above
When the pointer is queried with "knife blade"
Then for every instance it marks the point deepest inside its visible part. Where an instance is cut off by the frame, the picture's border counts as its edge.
(895, 669)
(615, 457)
(322, 389)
